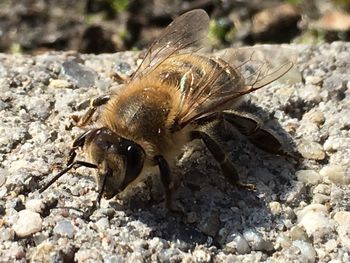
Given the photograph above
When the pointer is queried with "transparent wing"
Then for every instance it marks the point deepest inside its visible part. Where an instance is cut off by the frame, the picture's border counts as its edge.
(224, 86)
(184, 32)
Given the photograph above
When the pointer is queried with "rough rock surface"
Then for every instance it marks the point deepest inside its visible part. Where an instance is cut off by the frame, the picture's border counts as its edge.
(298, 212)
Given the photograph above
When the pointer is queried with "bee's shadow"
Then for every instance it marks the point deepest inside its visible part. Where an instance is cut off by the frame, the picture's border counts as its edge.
(214, 209)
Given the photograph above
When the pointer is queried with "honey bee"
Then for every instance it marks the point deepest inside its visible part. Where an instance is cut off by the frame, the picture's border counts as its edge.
(172, 98)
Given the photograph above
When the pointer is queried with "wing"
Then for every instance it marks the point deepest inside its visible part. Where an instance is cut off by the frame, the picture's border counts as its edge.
(221, 87)
(184, 32)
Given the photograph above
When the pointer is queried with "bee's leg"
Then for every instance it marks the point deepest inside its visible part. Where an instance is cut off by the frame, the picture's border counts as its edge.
(94, 104)
(165, 176)
(250, 127)
(221, 157)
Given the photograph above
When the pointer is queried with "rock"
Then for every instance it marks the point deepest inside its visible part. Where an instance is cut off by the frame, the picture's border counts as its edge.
(314, 116)
(28, 223)
(275, 207)
(256, 241)
(82, 76)
(3, 175)
(336, 174)
(59, 84)
(315, 219)
(298, 233)
(311, 150)
(201, 256)
(64, 228)
(343, 220)
(306, 250)
(35, 205)
(236, 243)
(309, 177)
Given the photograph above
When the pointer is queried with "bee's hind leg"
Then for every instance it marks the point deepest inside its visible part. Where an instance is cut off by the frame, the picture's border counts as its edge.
(221, 157)
(94, 104)
(251, 127)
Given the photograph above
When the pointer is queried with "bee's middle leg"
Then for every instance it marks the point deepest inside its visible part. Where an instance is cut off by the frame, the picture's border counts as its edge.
(94, 104)
(221, 157)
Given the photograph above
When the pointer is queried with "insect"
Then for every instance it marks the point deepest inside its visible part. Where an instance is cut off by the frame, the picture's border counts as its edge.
(171, 99)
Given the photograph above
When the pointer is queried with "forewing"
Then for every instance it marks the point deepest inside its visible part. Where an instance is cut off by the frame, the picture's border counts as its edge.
(184, 32)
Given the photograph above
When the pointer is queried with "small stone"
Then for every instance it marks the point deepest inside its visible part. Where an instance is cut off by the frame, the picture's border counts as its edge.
(28, 223)
(315, 116)
(331, 245)
(336, 174)
(315, 219)
(102, 224)
(322, 189)
(333, 144)
(315, 80)
(298, 233)
(311, 93)
(306, 250)
(320, 199)
(343, 220)
(60, 84)
(236, 243)
(309, 177)
(201, 256)
(275, 207)
(283, 241)
(35, 205)
(81, 75)
(311, 150)
(210, 224)
(3, 176)
(42, 252)
(64, 228)
(256, 241)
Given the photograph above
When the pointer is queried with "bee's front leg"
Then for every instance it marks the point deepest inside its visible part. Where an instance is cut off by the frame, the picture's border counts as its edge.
(168, 185)
(94, 104)
(221, 157)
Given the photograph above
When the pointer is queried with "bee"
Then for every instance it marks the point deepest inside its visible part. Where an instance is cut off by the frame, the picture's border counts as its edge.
(171, 99)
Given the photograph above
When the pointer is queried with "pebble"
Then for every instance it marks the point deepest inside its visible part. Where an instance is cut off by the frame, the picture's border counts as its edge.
(3, 175)
(236, 243)
(311, 150)
(35, 205)
(336, 174)
(201, 256)
(283, 241)
(322, 189)
(335, 144)
(256, 241)
(28, 223)
(210, 224)
(331, 245)
(81, 75)
(275, 208)
(59, 84)
(298, 233)
(309, 177)
(343, 220)
(306, 250)
(64, 228)
(315, 116)
(102, 224)
(315, 219)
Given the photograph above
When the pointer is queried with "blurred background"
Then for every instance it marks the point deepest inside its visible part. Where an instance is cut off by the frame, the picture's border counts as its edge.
(104, 26)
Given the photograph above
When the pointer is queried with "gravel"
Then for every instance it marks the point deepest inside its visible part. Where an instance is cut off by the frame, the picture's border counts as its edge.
(299, 211)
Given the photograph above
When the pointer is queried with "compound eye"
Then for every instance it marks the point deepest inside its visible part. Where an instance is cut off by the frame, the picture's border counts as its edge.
(134, 158)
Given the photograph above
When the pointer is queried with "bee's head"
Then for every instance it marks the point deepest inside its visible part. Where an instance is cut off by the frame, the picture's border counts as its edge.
(119, 160)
